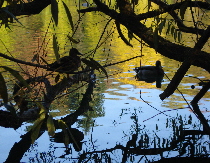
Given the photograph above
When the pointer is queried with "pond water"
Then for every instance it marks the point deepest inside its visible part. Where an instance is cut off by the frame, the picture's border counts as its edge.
(124, 106)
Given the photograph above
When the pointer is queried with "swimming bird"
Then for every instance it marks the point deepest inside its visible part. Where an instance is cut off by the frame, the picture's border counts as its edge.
(150, 74)
(68, 63)
(150, 70)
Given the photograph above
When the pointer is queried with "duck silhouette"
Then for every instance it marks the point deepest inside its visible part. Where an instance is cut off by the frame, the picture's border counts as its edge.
(150, 74)
(68, 63)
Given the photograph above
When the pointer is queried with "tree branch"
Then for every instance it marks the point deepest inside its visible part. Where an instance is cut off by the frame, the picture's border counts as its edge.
(89, 9)
(185, 65)
(170, 9)
(34, 7)
(165, 47)
(40, 66)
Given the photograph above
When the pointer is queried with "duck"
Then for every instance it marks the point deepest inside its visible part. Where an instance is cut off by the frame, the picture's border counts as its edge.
(150, 70)
(69, 63)
(150, 74)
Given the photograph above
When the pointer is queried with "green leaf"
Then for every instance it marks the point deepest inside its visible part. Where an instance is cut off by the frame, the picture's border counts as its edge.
(157, 19)
(44, 60)
(56, 48)
(17, 76)
(149, 4)
(67, 133)
(11, 109)
(155, 37)
(9, 13)
(68, 13)
(169, 28)
(175, 35)
(72, 39)
(35, 58)
(64, 128)
(35, 130)
(208, 1)
(135, 2)
(161, 25)
(57, 78)
(66, 138)
(23, 82)
(121, 34)
(54, 11)
(3, 89)
(179, 36)
(130, 35)
(50, 126)
(62, 124)
(99, 66)
(95, 65)
(183, 8)
(172, 30)
(43, 110)
(1, 3)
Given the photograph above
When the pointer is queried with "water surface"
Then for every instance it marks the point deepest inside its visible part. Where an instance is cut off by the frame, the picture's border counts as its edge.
(125, 106)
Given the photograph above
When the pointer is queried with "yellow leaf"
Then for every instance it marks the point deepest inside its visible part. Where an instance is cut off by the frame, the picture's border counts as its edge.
(64, 128)
(56, 48)
(17, 76)
(35, 130)
(50, 126)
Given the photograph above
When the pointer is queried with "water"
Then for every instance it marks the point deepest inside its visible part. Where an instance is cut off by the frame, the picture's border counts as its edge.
(128, 106)
(122, 104)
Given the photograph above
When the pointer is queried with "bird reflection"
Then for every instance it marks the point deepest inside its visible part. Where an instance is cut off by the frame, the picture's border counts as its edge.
(75, 137)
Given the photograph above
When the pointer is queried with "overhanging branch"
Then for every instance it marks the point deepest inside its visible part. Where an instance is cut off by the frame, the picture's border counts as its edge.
(165, 47)
(34, 7)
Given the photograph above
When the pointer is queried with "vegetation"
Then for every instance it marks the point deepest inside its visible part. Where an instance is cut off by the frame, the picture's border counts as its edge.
(33, 94)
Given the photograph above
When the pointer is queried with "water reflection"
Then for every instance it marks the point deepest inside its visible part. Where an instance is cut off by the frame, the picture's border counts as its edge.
(116, 120)
(157, 79)
(75, 137)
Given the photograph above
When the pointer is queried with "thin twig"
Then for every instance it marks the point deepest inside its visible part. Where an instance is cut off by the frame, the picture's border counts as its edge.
(153, 106)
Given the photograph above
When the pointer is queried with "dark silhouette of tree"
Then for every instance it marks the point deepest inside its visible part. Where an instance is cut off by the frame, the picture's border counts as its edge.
(127, 17)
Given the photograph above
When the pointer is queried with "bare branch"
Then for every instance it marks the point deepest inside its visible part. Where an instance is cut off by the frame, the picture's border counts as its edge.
(34, 7)
(191, 57)
(165, 47)
(89, 9)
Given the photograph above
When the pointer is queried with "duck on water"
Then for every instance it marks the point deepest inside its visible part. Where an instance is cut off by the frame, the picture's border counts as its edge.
(68, 63)
(150, 74)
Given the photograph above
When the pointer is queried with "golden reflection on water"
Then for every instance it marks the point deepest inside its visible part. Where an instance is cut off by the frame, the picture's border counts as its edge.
(25, 42)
